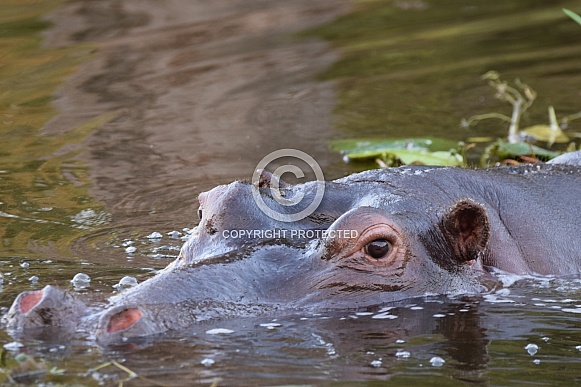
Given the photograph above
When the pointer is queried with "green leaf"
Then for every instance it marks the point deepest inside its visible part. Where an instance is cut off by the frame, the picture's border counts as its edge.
(355, 149)
(393, 152)
(505, 150)
(397, 157)
(572, 15)
(547, 134)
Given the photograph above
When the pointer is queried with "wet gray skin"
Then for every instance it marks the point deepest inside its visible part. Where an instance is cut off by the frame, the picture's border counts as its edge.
(391, 234)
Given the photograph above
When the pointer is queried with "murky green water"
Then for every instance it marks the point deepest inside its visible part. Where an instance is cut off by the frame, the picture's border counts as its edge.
(413, 68)
(165, 103)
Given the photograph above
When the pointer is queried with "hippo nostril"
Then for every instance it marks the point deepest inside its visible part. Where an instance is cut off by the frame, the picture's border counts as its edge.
(30, 300)
(124, 319)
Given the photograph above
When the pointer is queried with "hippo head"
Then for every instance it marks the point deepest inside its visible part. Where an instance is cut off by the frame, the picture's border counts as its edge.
(368, 242)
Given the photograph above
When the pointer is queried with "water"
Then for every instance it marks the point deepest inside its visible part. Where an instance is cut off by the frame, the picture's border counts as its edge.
(413, 68)
(117, 117)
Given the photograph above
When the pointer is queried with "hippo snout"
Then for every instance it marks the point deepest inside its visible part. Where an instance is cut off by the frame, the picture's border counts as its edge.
(53, 307)
(124, 321)
(49, 306)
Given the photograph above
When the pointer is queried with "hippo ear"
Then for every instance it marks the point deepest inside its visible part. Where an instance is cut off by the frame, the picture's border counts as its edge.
(466, 229)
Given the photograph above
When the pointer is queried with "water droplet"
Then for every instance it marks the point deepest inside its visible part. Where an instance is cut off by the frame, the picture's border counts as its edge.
(219, 331)
(131, 249)
(174, 234)
(384, 316)
(13, 346)
(207, 362)
(437, 361)
(271, 325)
(126, 282)
(25, 265)
(402, 354)
(33, 279)
(154, 235)
(376, 363)
(532, 349)
(81, 280)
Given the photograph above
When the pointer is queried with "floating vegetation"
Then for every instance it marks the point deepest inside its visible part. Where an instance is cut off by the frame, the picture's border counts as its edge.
(130, 374)
(519, 142)
(408, 73)
(436, 151)
(22, 368)
(520, 96)
(505, 151)
(396, 152)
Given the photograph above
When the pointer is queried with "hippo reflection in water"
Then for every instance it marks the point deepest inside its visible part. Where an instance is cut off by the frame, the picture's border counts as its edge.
(376, 237)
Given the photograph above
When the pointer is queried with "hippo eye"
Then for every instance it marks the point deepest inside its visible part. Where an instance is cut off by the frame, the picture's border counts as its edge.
(200, 213)
(378, 248)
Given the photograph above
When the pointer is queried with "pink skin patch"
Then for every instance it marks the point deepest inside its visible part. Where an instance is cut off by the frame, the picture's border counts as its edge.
(30, 300)
(123, 320)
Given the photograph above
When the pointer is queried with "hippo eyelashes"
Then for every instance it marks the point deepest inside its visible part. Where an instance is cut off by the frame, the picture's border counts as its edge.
(382, 244)
(378, 248)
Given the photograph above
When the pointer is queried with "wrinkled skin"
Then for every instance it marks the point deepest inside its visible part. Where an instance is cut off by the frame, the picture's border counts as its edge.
(391, 235)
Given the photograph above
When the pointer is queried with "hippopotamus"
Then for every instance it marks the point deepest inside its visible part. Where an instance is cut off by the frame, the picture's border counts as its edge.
(376, 237)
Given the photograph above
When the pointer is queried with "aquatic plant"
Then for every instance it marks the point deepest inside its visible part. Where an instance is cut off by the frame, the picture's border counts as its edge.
(435, 151)
(572, 15)
(519, 142)
(521, 96)
(395, 152)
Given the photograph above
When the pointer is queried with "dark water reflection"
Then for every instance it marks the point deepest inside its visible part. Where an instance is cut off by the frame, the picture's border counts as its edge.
(169, 101)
